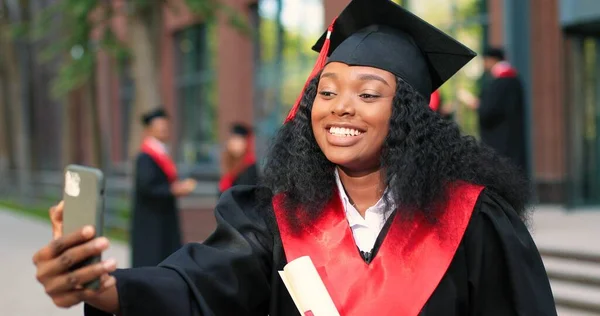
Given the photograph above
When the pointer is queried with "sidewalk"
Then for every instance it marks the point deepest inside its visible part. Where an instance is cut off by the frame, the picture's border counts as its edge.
(21, 295)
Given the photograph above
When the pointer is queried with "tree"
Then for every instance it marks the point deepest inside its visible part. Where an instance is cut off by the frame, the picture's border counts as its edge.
(16, 76)
(5, 159)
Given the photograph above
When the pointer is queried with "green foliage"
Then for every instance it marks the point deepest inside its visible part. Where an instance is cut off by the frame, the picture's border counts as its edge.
(64, 30)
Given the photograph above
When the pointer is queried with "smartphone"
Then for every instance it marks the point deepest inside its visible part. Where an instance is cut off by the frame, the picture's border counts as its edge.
(83, 197)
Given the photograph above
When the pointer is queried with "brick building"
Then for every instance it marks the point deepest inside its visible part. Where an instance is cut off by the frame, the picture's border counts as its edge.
(553, 44)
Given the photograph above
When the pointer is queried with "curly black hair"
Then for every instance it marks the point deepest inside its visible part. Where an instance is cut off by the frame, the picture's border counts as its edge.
(423, 154)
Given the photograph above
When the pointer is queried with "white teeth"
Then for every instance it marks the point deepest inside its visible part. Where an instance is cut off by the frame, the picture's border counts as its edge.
(342, 131)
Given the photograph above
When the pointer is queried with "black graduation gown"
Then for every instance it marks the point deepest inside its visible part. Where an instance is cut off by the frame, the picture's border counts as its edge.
(502, 118)
(496, 270)
(155, 232)
(247, 177)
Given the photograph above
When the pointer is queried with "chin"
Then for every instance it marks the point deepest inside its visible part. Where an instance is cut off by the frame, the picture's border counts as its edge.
(340, 159)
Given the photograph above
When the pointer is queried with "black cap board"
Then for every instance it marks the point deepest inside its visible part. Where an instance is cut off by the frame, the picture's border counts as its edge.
(240, 129)
(384, 35)
(156, 113)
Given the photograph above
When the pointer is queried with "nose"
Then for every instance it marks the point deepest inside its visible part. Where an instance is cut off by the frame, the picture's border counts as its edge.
(343, 107)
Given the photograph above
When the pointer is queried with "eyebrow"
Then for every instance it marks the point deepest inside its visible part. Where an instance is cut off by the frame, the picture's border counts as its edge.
(367, 77)
(329, 74)
(362, 77)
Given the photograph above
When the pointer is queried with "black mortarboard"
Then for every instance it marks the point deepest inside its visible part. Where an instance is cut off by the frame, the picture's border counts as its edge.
(382, 34)
(149, 116)
(494, 52)
(240, 129)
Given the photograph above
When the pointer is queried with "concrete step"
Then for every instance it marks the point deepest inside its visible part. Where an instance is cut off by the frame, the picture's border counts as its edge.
(576, 296)
(570, 254)
(573, 271)
(563, 311)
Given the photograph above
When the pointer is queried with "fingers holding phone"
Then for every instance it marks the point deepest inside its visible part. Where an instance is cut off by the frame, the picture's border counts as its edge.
(55, 262)
(70, 267)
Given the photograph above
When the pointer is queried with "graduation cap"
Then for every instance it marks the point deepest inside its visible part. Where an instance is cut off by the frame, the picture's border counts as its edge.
(240, 129)
(384, 35)
(148, 117)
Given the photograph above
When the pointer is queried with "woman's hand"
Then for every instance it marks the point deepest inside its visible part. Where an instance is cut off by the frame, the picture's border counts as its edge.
(54, 260)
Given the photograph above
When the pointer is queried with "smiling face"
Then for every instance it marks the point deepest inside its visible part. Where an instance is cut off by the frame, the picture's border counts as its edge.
(351, 113)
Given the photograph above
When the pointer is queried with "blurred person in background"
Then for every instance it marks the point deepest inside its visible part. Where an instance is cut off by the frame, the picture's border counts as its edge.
(501, 108)
(436, 104)
(239, 159)
(155, 232)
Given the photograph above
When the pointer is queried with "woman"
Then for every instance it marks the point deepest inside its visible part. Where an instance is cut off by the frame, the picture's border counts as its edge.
(400, 213)
(239, 160)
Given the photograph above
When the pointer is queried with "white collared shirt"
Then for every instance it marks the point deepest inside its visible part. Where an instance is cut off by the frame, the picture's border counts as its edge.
(365, 230)
(158, 145)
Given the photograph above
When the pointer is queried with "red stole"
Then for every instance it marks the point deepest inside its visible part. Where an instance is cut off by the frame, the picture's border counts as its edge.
(160, 156)
(434, 102)
(408, 267)
(504, 70)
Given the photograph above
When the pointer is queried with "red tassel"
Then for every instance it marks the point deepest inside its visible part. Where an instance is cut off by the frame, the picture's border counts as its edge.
(319, 65)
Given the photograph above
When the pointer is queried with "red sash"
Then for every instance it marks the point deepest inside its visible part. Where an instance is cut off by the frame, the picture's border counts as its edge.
(405, 271)
(162, 159)
(434, 102)
(503, 70)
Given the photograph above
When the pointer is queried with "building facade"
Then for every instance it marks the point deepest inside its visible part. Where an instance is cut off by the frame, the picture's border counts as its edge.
(553, 43)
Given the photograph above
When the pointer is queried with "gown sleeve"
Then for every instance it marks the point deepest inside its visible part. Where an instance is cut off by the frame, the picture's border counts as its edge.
(148, 180)
(506, 273)
(228, 274)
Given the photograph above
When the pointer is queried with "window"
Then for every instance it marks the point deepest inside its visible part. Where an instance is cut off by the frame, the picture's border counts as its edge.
(287, 29)
(196, 96)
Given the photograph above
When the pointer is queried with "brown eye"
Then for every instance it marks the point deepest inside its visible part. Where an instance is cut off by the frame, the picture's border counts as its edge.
(368, 96)
(327, 94)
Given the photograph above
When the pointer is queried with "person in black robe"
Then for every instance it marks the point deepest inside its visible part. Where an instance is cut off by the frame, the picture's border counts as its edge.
(361, 140)
(501, 108)
(239, 159)
(155, 231)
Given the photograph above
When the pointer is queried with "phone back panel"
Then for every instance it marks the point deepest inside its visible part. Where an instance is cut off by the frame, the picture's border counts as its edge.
(83, 197)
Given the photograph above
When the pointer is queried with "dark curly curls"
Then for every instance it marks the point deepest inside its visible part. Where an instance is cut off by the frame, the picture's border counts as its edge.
(423, 154)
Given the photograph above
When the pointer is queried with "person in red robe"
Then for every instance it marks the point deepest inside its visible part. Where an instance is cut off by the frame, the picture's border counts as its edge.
(399, 213)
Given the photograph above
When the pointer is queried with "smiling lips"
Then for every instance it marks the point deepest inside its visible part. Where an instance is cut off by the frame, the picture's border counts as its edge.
(343, 136)
(344, 131)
